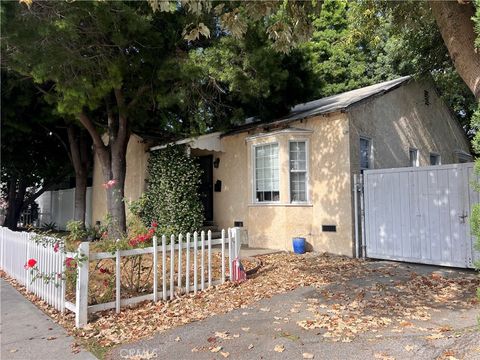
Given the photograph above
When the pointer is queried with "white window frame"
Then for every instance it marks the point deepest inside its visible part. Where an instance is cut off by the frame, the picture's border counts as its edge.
(370, 155)
(437, 155)
(307, 172)
(417, 157)
(254, 174)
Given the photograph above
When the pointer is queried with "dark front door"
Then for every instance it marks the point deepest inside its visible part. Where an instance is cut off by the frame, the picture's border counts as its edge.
(206, 185)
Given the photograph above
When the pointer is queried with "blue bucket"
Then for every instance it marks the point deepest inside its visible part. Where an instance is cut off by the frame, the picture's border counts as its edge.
(299, 245)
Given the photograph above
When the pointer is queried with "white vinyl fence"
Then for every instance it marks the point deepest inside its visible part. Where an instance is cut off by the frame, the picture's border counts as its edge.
(59, 206)
(17, 248)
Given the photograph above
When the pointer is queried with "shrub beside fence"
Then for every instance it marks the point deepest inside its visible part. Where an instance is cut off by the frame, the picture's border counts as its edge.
(185, 274)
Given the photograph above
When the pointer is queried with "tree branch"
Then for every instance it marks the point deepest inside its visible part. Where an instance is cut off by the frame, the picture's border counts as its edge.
(88, 124)
(141, 90)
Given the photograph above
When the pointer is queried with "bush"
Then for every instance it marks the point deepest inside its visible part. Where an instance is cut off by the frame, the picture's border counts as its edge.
(172, 199)
(475, 216)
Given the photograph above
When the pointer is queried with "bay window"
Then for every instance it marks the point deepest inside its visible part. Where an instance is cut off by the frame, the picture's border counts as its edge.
(267, 173)
(298, 171)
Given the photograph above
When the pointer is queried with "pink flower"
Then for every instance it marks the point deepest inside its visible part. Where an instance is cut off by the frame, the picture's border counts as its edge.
(30, 264)
(109, 184)
(56, 246)
(70, 262)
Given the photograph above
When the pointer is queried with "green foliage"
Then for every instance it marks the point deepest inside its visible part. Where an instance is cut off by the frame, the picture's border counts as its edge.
(49, 226)
(341, 57)
(413, 45)
(172, 198)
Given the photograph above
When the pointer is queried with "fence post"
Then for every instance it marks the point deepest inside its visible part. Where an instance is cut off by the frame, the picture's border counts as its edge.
(237, 240)
(155, 269)
(81, 304)
(118, 276)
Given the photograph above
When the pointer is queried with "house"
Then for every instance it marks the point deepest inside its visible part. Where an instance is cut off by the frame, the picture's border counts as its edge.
(294, 176)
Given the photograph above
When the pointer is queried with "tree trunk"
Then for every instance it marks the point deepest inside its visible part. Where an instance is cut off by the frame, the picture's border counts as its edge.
(9, 220)
(79, 157)
(16, 201)
(454, 20)
(112, 158)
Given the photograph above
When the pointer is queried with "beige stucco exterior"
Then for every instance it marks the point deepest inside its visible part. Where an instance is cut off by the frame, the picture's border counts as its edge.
(399, 121)
(394, 122)
(137, 158)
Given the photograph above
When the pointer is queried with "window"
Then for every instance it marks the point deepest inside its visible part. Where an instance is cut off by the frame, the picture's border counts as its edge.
(413, 157)
(365, 153)
(463, 157)
(298, 171)
(435, 159)
(267, 173)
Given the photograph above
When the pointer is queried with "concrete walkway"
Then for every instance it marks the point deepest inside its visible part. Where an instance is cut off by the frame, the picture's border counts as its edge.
(28, 333)
(254, 332)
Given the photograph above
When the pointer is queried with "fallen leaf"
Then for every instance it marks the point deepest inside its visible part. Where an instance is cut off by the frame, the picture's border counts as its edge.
(225, 354)
(13, 350)
(223, 335)
(308, 355)
(246, 329)
(177, 339)
(279, 348)
(250, 346)
(216, 349)
(409, 347)
(434, 336)
(51, 338)
(265, 309)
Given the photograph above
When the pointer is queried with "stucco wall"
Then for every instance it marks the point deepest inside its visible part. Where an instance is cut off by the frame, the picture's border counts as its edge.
(137, 157)
(400, 120)
(274, 225)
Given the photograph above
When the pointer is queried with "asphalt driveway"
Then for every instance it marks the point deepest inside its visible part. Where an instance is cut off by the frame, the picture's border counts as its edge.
(391, 311)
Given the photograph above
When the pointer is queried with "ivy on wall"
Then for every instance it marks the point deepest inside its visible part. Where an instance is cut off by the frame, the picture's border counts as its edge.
(172, 199)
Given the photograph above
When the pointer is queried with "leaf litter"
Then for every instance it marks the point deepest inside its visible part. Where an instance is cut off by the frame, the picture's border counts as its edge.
(342, 314)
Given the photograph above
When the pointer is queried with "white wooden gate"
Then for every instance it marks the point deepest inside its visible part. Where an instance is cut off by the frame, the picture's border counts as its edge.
(421, 214)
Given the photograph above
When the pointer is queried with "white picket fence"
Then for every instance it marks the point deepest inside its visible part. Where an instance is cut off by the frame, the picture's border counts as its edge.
(15, 250)
(18, 247)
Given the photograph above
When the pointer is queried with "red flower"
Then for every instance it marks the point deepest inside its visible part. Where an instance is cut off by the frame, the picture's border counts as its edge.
(30, 264)
(105, 283)
(104, 271)
(154, 224)
(70, 262)
(56, 246)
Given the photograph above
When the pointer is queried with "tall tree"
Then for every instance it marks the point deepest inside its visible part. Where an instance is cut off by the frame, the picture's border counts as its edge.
(33, 160)
(103, 59)
(80, 157)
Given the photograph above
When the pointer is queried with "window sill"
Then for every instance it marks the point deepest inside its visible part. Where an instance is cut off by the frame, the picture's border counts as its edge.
(272, 204)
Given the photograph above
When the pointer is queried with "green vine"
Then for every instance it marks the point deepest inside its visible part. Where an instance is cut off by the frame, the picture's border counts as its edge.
(172, 199)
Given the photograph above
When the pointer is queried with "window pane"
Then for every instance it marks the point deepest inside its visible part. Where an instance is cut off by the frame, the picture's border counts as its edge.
(364, 153)
(413, 157)
(434, 159)
(266, 172)
(298, 171)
